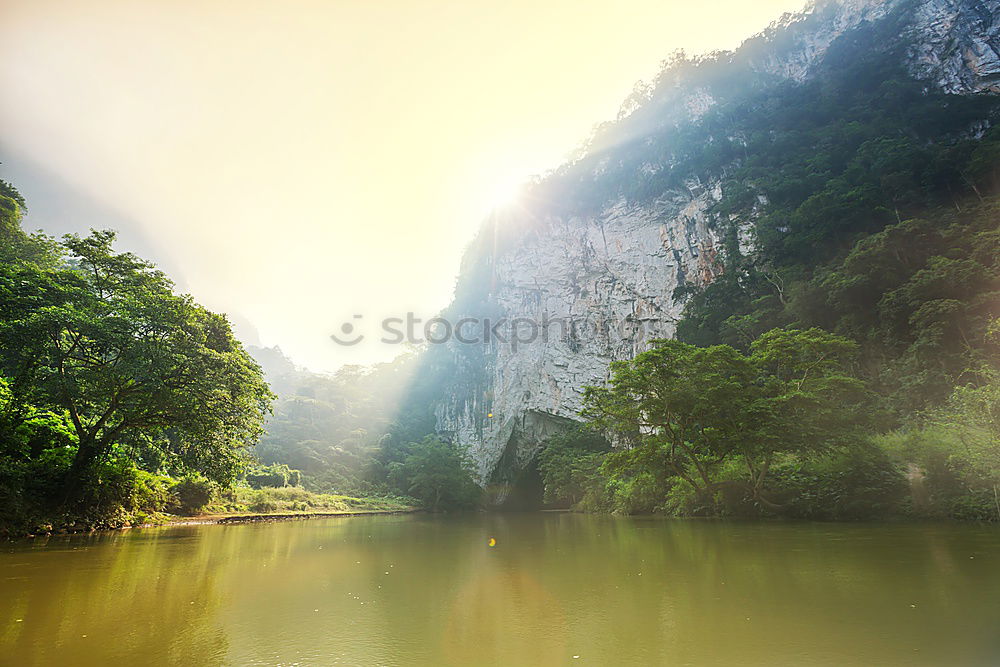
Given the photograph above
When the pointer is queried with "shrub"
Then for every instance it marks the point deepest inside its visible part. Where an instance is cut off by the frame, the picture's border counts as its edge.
(263, 505)
(960, 482)
(275, 475)
(569, 464)
(151, 492)
(191, 494)
(847, 485)
(641, 493)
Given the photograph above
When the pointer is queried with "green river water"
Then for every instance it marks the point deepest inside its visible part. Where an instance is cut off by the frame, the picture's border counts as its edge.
(556, 589)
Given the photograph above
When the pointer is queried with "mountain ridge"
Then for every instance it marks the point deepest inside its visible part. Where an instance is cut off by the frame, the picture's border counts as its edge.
(620, 239)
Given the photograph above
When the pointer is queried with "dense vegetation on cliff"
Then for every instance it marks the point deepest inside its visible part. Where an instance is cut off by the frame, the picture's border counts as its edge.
(858, 210)
(862, 203)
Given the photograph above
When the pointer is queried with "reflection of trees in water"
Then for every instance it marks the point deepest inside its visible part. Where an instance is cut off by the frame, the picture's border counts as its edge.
(106, 599)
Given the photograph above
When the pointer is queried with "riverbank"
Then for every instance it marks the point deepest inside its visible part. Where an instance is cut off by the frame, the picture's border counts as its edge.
(226, 506)
(232, 518)
(217, 519)
(295, 500)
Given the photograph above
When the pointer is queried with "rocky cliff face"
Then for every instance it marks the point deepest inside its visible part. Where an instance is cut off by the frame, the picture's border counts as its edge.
(577, 294)
(581, 289)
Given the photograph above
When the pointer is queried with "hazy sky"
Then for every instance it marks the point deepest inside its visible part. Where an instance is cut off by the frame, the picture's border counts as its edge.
(296, 163)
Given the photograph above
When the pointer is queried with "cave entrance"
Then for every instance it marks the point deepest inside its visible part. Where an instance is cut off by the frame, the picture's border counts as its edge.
(516, 483)
(526, 491)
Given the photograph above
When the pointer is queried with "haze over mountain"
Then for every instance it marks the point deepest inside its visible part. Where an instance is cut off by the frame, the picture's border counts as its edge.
(727, 202)
(279, 163)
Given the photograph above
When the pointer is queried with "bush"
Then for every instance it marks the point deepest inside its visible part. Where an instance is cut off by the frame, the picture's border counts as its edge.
(641, 493)
(848, 485)
(975, 505)
(192, 494)
(287, 499)
(28, 490)
(263, 505)
(959, 481)
(275, 475)
(569, 464)
(150, 496)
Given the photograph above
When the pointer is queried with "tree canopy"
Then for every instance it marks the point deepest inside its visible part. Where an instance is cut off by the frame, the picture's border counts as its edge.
(687, 409)
(107, 340)
(103, 364)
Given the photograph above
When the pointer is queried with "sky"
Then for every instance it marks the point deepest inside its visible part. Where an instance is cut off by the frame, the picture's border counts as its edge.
(298, 164)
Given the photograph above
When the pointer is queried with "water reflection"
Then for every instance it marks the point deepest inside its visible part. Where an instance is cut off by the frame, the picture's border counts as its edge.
(424, 590)
(110, 598)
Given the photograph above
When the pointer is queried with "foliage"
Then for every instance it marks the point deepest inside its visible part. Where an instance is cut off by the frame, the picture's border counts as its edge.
(108, 341)
(191, 494)
(682, 411)
(972, 414)
(569, 464)
(435, 473)
(15, 245)
(296, 499)
(954, 454)
(636, 491)
(110, 381)
(274, 475)
(851, 484)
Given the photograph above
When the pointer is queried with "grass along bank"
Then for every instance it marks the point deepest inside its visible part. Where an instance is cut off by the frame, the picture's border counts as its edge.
(293, 500)
(163, 501)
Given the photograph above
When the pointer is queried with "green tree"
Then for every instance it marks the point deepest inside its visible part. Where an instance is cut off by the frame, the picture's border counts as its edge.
(436, 473)
(108, 342)
(570, 463)
(676, 405)
(807, 399)
(15, 245)
(686, 410)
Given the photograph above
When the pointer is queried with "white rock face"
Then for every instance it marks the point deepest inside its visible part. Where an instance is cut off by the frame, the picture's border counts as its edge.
(958, 46)
(579, 293)
(824, 22)
(597, 289)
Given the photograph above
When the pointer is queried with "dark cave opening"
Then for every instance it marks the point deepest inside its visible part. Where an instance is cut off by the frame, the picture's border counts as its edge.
(526, 492)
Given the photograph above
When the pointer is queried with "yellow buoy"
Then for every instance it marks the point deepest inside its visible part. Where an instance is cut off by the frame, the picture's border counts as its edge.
(492, 542)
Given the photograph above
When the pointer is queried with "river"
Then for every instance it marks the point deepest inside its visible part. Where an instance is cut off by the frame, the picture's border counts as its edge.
(555, 589)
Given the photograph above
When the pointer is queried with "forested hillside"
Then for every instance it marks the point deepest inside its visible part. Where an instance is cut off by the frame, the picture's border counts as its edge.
(859, 208)
(364, 430)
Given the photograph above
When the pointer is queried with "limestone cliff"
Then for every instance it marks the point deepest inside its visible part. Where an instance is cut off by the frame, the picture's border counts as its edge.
(596, 282)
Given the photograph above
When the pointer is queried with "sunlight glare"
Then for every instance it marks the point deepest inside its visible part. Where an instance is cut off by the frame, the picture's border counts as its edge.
(505, 190)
